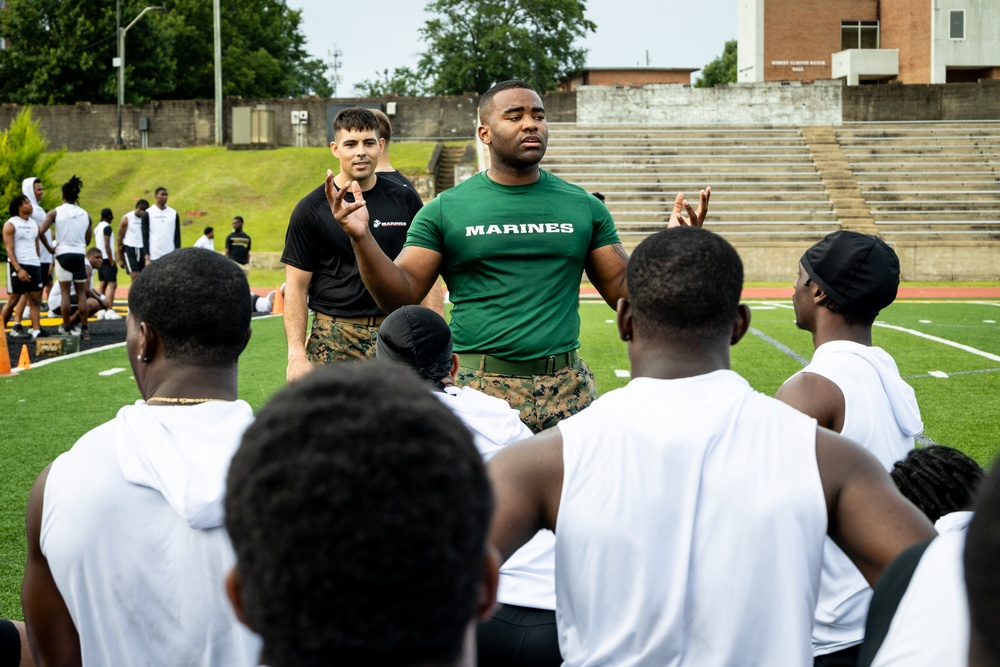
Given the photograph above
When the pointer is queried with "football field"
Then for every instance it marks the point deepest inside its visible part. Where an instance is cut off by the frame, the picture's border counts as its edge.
(948, 350)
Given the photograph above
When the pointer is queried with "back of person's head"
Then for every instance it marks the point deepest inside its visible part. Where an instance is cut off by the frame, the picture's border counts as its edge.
(982, 576)
(107, 215)
(384, 126)
(938, 480)
(418, 338)
(355, 119)
(685, 282)
(142, 204)
(206, 327)
(858, 272)
(71, 190)
(208, 230)
(486, 101)
(15, 204)
(359, 510)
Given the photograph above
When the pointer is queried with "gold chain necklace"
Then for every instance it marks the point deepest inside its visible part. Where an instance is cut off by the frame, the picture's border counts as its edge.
(183, 401)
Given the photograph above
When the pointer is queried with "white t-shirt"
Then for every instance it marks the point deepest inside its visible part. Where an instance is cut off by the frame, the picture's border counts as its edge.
(72, 223)
(132, 532)
(878, 407)
(99, 234)
(205, 242)
(527, 578)
(162, 230)
(690, 528)
(25, 238)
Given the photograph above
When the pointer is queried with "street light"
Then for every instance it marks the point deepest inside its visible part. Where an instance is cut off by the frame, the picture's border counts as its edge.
(121, 57)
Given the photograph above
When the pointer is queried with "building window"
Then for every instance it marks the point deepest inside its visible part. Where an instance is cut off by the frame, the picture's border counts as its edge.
(858, 35)
(957, 23)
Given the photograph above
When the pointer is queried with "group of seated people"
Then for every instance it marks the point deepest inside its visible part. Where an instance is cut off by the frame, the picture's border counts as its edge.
(375, 513)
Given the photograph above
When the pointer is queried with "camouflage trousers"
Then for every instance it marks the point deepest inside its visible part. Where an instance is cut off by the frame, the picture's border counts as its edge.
(542, 400)
(331, 341)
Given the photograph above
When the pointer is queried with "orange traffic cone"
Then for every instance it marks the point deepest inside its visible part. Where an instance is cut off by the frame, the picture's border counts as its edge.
(279, 303)
(24, 362)
(4, 355)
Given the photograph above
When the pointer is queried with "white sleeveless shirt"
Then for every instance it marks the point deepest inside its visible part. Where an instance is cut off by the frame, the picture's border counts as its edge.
(25, 236)
(878, 407)
(133, 232)
(690, 528)
(72, 223)
(162, 225)
(132, 531)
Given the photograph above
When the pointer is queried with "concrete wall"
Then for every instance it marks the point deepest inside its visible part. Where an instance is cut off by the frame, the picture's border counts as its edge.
(181, 123)
(750, 37)
(765, 103)
(980, 47)
(954, 101)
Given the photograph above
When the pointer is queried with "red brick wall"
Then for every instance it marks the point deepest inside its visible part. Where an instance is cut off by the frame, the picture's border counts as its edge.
(626, 77)
(800, 37)
(906, 25)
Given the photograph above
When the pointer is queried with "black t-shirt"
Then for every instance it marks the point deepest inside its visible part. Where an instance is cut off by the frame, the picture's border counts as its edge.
(238, 245)
(396, 176)
(315, 242)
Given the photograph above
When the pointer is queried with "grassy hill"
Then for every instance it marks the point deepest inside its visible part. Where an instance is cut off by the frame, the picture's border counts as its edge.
(209, 185)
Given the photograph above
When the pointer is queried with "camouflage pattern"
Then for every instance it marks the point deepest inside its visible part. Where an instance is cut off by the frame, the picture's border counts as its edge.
(542, 400)
(332, 341)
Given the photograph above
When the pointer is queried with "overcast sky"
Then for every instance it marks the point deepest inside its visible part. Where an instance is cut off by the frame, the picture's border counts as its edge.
(671, 32)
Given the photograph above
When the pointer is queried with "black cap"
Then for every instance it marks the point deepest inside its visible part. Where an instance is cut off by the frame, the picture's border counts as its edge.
(858, 271)
(414, 336)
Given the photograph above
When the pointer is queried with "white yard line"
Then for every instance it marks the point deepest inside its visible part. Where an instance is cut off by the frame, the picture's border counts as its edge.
(943, 341)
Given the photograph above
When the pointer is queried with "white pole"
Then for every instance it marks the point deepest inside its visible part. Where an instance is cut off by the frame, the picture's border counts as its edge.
(218, 73)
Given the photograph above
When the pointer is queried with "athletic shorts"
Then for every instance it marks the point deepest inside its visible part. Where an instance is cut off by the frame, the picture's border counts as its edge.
(108, 271)
(70, 267)
(46, 273)
(17, 286)
(135, 259)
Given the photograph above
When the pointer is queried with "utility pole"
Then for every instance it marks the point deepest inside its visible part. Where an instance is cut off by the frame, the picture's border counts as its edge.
(121, 58)
(218, 72)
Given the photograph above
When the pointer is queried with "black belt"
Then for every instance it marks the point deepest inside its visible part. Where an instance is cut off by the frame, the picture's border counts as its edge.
(372, 321)
(544, 366)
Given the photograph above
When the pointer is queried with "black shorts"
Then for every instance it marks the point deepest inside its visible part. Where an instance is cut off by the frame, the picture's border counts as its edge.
(135, 259)
(17, 286)
(46, 273)
(108, 271)
(73, 263)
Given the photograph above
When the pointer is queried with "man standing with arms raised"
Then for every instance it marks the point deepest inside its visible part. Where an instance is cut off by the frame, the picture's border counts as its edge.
(512, 244)
(319, 262)
(161, 228)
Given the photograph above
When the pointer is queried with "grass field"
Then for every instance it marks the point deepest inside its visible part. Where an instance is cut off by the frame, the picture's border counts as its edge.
(46, 409)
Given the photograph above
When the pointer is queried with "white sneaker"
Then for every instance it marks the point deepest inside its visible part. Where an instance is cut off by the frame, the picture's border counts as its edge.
(112, 315)
(100, 314)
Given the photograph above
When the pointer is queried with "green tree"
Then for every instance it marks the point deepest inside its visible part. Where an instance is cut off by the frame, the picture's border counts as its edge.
(60, 52)
(22, 154)
(720, 70)
(473, 44)
(403, 82)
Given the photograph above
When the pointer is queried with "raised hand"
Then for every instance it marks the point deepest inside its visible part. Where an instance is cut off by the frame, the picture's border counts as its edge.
(353, 218)
(694, 218)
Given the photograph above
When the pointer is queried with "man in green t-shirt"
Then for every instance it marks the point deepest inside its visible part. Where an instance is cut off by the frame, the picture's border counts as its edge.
(512, 244)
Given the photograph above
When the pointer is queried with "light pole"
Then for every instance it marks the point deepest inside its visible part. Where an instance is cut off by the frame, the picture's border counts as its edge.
(121, 57)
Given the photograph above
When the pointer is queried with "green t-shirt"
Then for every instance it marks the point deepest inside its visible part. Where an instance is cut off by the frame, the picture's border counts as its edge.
(513, 257)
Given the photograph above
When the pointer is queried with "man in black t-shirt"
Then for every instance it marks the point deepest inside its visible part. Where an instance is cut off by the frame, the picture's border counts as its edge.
(319, 262)
(238, 245)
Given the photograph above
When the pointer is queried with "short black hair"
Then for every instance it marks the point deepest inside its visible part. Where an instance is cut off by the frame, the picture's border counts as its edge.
(208, 230)
(142, 203)
(356, 119)
(238, 217)
(71, 189)
(93, 251)
(15, 204)
(486, 101)
(384, 126)
(937, 479)
(982, 576)
(685, 281)
(159, 190)
(359, 509)
(205, 327)
(107, 215)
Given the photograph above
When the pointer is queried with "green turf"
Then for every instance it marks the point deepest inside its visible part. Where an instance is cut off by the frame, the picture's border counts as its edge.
(46, 409)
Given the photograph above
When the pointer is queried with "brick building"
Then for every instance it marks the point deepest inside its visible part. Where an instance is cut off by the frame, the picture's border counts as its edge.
(867, 41)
